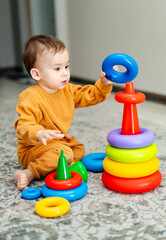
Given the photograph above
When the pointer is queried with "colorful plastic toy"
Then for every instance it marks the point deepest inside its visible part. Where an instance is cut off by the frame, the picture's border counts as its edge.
(68, 185)
(132, 185)
(65, 184)
(31, 193)
(120, 59)
(52, 207)
(94, 162)
(116, 139)
(131, 170)
(130, 123)
(63, 172)
(71, 194)
(133, 155)
(131, 165)
(81, 169)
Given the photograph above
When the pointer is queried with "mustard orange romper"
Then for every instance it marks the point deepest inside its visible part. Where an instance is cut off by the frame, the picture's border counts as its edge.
(38, 109)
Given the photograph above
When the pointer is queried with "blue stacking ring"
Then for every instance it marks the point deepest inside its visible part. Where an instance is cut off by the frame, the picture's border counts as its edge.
(94, 162)
(70, 195)
(120, 59)
(31, 193)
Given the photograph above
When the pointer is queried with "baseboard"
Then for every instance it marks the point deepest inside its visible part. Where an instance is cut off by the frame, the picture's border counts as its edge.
(149, 96)
(13, 72)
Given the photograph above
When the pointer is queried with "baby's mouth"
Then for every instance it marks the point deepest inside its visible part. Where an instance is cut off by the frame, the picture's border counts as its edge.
(64, 82)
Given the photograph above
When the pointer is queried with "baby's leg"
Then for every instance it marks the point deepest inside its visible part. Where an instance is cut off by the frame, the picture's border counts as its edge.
(23, 178)
(78, 150)
(41, 160)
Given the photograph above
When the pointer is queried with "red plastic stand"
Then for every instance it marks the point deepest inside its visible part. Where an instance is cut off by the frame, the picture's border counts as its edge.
(130, 123)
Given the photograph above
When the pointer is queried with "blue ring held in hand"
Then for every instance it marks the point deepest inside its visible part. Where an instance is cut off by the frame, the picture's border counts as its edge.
(94, 162)
(70, 195)
(120, 59)
(31, 193)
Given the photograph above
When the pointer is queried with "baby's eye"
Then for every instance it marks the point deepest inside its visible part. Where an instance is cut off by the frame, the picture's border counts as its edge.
(57, 69)
(67, 66)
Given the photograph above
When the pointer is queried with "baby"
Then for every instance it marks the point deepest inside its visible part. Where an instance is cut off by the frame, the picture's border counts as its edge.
(46, 109)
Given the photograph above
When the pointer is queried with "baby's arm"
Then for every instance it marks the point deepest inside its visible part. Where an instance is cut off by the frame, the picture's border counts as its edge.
(44, 135)
(92, 94)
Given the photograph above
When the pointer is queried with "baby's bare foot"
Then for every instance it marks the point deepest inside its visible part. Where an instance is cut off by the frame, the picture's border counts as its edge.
(23, 177)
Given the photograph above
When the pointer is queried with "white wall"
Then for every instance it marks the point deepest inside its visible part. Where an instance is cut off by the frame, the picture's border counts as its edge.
(23, 23)
(98, 28)
(42, 17)
(7, 54)
(61, 21)
(8, 50)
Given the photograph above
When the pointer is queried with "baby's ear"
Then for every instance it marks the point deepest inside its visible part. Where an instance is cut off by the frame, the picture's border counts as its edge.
(35, 74)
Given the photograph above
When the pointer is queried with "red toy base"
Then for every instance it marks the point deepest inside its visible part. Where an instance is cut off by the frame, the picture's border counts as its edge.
(132, 185)
(66, 184)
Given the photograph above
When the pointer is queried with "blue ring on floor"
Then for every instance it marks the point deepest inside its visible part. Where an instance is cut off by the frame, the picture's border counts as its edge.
(70, 195)
(31, 193)
(94, 162)
(120, 59)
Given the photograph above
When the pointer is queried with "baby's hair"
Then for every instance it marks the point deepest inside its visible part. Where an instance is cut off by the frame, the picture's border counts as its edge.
(35, 46)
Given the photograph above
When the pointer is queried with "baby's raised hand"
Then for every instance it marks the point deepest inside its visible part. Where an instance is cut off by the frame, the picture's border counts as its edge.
(44, 135)
(104, 80)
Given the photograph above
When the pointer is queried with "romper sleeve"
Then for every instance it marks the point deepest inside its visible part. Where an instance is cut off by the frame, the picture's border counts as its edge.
(27, 125)
(90, 94)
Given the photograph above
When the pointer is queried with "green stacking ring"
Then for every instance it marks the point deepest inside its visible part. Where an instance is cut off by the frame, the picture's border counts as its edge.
(131, 155)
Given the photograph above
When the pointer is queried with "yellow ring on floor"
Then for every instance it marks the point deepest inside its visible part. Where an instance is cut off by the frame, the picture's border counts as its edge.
(131, 170)
(52, 207)
(131, 155)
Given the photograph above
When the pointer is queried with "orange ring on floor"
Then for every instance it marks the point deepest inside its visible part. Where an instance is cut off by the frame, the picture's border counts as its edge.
(67, 184)
(132, 185)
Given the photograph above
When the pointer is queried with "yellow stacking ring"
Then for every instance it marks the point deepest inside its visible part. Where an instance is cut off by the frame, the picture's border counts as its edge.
(131, 155)
(131, 170)
(52, 207)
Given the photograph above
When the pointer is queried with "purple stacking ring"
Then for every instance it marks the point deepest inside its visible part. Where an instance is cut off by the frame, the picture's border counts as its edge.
(116, 139)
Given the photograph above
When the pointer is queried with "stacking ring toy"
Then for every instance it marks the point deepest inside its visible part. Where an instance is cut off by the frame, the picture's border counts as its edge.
(131, 155)
(70, 195)
(128, 170)
(116, 139)
(81, 169)
(120, 59)
(52, 207)
(94, 162)
(132, 185)
(31, 193)
(66, 184)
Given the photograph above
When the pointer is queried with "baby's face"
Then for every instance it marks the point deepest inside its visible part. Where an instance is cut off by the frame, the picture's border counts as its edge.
(53, 70)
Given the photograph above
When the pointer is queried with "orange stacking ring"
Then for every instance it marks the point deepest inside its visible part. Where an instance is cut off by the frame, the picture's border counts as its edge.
(67, 184)
(132, 185)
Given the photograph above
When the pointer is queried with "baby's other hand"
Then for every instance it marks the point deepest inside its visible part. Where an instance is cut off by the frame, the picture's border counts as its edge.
(106, 81)
(44, 135)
